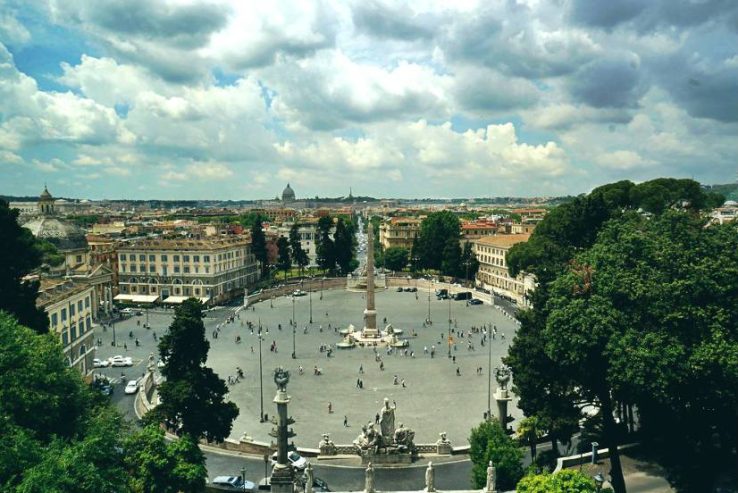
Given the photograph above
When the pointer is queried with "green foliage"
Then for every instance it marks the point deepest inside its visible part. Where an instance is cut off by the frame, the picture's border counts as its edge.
(299, 256)
(529, 432)
(433, 241)
(565, 481)
(343, 245)
(451, 262)
(18, 257)
(84, 220)
(395, 258)
(284, 261)
(469, 264)
(488, 442)
(258, 243)
(157, 466)
(326, 249)
(49, 253)
(192, 396)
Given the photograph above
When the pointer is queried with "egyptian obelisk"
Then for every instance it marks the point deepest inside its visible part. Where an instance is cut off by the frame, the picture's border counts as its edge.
(370, 314)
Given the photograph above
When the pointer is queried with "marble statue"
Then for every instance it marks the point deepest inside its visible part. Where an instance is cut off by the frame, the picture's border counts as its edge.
(502, 375)
(309, 478)
(404, 437)
(369, 479)
(430, 486)
(281, 378)
(491, 479)
(387, 420)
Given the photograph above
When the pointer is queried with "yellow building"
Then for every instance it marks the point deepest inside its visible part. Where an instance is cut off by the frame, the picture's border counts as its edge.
(171, 270)
(69, 306)
(493, 274)
(399, 232)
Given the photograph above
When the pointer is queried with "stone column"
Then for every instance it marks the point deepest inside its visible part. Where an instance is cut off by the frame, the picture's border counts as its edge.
(282, 479)
(502, 397)
(370, 314)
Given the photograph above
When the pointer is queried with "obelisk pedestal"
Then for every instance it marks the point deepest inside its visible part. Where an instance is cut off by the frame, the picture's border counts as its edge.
(282, 479)
(502, 397)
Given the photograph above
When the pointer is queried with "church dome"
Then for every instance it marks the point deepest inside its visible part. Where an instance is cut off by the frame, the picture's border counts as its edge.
(288, 195)
(45, 195)
(64, 235)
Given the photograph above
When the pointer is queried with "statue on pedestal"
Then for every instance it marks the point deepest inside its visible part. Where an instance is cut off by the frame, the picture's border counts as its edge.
(430, 486)
(403, 438)
(387, 420)
(369, 479)
(502, 375)
(491, 486)
(326, 446)
(309, 478)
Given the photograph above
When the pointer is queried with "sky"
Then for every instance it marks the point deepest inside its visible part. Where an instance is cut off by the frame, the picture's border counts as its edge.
(191, 99)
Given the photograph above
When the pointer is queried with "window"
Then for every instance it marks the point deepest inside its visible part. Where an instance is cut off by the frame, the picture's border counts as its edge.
(185, 258)
(65, 338)
(163, 258)
(186, 269)
(207, 270)
(176, 269)
(206, 258)
(142, 258)
(73, 332)
(176, 258)
(79, 305)
(133, 268)
(152, 258)
(195, 258)
(152, 268)
(88, 322)
(87, 302)
(54, 319)
(79, 259)
(71, 310)
(123, 267)
(197, 291)
(142, 268)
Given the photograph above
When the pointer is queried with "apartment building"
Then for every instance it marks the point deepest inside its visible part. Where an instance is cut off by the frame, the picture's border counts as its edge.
(69, 306)
(171, 270)
(493, 274)
(399, 232)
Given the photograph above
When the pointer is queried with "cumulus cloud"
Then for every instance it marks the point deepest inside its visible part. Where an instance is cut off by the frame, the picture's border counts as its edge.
(384, 20)
(611, 82)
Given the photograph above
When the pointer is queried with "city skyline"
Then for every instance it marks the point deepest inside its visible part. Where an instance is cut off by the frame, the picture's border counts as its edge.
(228, 101)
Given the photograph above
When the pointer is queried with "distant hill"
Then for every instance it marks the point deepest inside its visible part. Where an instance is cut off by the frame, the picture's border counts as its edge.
(729, 190)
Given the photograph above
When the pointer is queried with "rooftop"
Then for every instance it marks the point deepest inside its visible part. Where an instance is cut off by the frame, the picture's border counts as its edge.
(503, 241)
(185, 244)
(55, 290)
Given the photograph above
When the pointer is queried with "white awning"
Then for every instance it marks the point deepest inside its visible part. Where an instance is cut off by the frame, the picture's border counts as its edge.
(205, 299)
(123, 297)
(175, 300)
(145, 298)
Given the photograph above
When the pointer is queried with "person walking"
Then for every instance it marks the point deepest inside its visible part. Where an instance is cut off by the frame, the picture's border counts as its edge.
(330, 408)
(345, 421)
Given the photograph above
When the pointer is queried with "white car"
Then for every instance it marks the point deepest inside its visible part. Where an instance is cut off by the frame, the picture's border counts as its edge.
(235, 483)
(299, 292)
(296, 460)
(119, 360)
(100, 363)
(131, 387)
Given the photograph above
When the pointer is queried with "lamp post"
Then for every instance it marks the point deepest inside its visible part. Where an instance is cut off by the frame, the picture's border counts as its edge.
(113, 325)
(429, 293)
(294, 322)
(310, 295)
(321, 287)
(261, 384)
(449, 325)
(243, 474)
(489, 376)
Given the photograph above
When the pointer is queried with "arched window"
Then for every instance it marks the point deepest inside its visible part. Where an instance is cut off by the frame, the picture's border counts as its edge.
(82, 350)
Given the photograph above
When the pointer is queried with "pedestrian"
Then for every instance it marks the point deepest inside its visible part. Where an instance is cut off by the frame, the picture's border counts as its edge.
(458, 372)
(403, 383)
(395, 380)
(358, 383)
(125, 346)
(361, 369)
(376, 419)
(345, 421)
(330, 408)
(454, 358)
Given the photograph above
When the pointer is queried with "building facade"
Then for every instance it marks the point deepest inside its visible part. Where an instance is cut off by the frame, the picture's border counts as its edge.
(493, 274)
(70, 307)
(399, 232)
(212, 269)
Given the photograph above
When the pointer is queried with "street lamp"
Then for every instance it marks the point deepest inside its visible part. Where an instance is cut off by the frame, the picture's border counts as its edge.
(113, 325)
(294, 350)
(261, 382)
(310, 295)
(321, 287)
(449, 325)
(599, 480)
(489, 375)
(243, 474)
(294, 322)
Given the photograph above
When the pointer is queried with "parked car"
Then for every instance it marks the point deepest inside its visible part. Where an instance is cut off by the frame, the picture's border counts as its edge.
(296, 460)
(298, 292)
(131, 387)
(233, 483)
(399, 289)
(442, 294)
(413, 289)
(100, 363)
(102, 385)
(119, 360)
(475, 301)
(127, 311)
(463, 295)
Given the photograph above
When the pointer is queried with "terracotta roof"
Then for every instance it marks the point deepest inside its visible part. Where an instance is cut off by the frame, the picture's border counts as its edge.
(503, 241)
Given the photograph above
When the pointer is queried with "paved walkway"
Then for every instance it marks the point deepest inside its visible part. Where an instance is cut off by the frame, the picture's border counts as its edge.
(435, 399)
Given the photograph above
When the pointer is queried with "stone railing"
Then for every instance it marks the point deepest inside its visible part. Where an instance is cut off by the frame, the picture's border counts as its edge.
(574, 460)
(314, 286)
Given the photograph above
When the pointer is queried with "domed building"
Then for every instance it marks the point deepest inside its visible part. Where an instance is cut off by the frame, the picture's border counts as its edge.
(67, 237)
(288, 195)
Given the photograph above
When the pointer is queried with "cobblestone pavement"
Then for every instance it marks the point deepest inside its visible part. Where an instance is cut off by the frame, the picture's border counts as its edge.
(435, 398)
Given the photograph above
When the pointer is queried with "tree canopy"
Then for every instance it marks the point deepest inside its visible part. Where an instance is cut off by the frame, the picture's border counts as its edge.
(433, 245)
(284, 260)
(564, 481)
(258, 243)
(299, 255)
(489, 442)
(192, 396)
(19, 256)
(395, 258)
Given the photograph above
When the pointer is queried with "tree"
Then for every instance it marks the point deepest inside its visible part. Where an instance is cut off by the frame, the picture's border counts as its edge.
(395, 258)
(564, 481)
(299, 256)
(529, 431)
(19, 255)
(451, 263)
(326, 249)
(284, 261)
(343, 243)
(258, 244)
(489, 442)
(158, 466)
(415, 260)
(192, 396)
(469, 262)
(435, 231)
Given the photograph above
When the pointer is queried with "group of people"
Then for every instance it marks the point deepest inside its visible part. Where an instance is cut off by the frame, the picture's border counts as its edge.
(234, 379)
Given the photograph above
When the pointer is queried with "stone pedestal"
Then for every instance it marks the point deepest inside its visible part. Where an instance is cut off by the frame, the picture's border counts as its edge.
(326, 446)
(443, 445)
(386, 459)
(502, 397)
(282, 480)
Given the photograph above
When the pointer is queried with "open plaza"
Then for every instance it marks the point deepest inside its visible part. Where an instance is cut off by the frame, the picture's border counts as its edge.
(440, 394)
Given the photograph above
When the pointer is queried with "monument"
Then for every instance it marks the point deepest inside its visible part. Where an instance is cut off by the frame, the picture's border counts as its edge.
(389, 445)
(370, 335)
(502, 395)
(282, 479)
